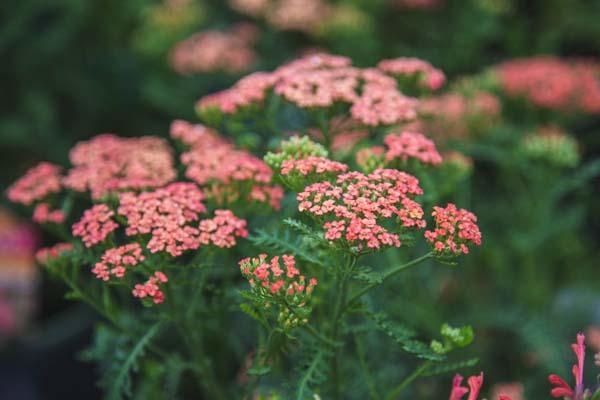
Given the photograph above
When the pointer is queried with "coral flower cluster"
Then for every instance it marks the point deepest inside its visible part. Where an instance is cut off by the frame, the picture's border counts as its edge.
(455, 230)
(429, 76)
(226, 173)
(212, 51)
(279, 284)
(108, 163)
(312, 165)
(37, 183)
(411, 145)
(95, 225)
(151, 288)
(295, 148)
(43, 214)
(475, 383)
(553, 83)
(320, 81)
(355, 207)
(115, 261)
(45, 254)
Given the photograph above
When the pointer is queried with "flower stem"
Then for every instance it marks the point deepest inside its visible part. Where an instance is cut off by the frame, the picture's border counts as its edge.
(387, 275)
(409, 379)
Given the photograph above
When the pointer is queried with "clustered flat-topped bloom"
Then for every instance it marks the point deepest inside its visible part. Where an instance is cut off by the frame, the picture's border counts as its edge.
(167, 215)
(561, 388)
(429, 76)
(224, 171)
(320, 81)
(312, 165)
(411, 145)
(553, 83)
(151, 288)
(298, 15)
(43, 214)
(280, 285)
(370, 158)
(114, 261)
(212, 51)
(353, 208)
(108, 163)
(552, 144)
(45, 254)
(294, 148)
(95, 225)
(475, 383)
(455, 231)
(37, 183)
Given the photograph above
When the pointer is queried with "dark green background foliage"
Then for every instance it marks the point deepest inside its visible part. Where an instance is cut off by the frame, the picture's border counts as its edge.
(72, 69)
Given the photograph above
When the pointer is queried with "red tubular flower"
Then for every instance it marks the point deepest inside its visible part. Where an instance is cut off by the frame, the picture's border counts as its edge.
(561, 388)
(475, 383)
(458, 391)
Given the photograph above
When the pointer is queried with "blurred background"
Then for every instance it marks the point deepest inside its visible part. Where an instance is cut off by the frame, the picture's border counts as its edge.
(72, 69)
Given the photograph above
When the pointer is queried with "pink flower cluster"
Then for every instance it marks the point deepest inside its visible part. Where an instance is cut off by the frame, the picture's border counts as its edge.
(455, 229)
(95, 225)
(37, 183)
(562, 389)
(167, 213)
(212, 51)
(108, 163)
(475, 382)
(429, 76)
(151, 288)
(411, 145)
(312, 165)
(286, 281)
(554, 83)
(225, 171)
(320, 80)
(43, 214)
(114, 262)
(46, 253)
(352, 207)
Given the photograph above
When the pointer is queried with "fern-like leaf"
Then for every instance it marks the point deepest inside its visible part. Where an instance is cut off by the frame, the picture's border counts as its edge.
(450, 367)
(284, 243)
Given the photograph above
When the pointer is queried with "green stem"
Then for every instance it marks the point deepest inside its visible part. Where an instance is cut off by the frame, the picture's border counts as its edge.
(387, 275)
(360, 352)
(409, 379)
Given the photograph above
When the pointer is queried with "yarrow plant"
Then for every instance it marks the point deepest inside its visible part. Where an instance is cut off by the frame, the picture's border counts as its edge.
(153, 230)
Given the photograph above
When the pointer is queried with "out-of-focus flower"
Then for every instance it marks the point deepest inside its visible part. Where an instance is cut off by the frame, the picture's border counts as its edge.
(252, 8)
(426, 74)
(295, 148)
(115, 261)
(411, 145)
(95, 225)
(354, 206)
(43, 214)
(281, 285)
(37, 183)
(312, 165)
(151, 288)
(553, 83)
(370, 158)
(212, 51)
(553, 145)
(108, 163)
(514, 390)
(455, 230)
(593, 337)
(44, 254)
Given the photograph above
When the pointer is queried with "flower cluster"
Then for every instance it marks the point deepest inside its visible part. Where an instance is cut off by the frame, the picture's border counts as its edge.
(295, 148)
(354, 207)
(43, 214)
(224, 171)
(108, 163)
(321, 80)
(45, 254)
(151, 288)
(411, 145)
(37, 183)
(285, 286)
(455, 230)
(475, 382)
(212, 51)
(428, 75)
(114, 262)
(553, 83)
(553, 145)
(95, 225)
(370, 158)
(312, 165)
(222, 229)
